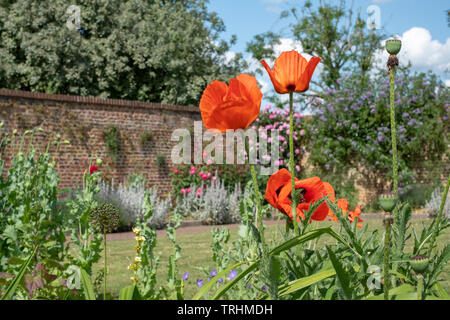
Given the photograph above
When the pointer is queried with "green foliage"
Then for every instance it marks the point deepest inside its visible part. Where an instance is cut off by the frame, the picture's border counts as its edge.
(158, 51)
(160, 161)
(112, 140)
(351, 128)
(417, 194)
(145, 137)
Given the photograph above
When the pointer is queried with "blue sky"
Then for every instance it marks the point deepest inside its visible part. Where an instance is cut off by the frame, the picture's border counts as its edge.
(422, 25)
(246, 18)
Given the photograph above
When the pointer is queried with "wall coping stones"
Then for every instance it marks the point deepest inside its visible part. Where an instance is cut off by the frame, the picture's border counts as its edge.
(63, 98)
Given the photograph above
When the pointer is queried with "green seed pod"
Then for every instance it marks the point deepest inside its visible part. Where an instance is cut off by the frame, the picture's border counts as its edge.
(419, 264)
(40, 129)
(393, 46)
(105, 217)
(99, 161)
(388, 201)
(66, 142)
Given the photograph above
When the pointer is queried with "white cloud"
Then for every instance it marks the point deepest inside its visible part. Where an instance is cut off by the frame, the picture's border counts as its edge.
(447, 83)
(422, 51)
(273, 5)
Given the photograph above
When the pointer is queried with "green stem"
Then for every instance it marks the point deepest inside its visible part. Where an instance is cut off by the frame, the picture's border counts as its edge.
(438, 218)
(291, 161)
(419, 286)
(386, 258)
(387, 238)
(104, 270)
(394, 140)
(258, 208)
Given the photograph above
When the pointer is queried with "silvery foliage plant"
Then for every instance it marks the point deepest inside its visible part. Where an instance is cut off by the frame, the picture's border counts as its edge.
(434, 204)
(213, 205)
(130, 198)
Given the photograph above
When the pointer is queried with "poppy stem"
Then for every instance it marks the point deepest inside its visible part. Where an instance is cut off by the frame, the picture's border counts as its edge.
(387, 240)
(291, 162)
(258, 208)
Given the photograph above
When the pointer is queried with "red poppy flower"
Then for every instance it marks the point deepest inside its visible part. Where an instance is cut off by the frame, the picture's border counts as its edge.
(291, 72)
(278, 194)
(231, 107)
(93, 168)
(352, 215)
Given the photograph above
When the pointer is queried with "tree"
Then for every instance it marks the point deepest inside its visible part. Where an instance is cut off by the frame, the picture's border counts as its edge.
(155, 50)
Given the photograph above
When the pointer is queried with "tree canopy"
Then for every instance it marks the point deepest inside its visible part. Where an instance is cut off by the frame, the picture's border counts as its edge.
(154, 50)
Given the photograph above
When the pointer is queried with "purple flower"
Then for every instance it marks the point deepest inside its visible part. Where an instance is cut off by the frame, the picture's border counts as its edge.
(200, 282)
(264, 287)
(186, 276)
(354, 126)
(249, 286)
(220, 280)
(213, 273)
(327, 167)
(340, 138)
(232, 275)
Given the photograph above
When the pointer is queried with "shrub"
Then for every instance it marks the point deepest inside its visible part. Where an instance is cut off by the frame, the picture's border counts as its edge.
(434, 204)
(129, 200)
(351, 127)
(211, 203)
(112, 140)
(417, 194)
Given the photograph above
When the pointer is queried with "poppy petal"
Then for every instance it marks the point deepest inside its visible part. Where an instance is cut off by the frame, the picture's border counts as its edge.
(302, 83)
(276, 84)
(289, 68)
(212, 98)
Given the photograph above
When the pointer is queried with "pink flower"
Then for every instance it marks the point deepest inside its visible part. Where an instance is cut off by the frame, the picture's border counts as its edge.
(210, 161)
(297, 167)
(199, 192)
(302, 132)
(176, 171)
(297, 151)
(205, 154)
(188, 190)
(183, 191)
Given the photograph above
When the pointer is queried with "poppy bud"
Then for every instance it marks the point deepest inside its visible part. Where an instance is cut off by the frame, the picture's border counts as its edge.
(393, 46)
(388, 201)
(419, 264)
(99, 161)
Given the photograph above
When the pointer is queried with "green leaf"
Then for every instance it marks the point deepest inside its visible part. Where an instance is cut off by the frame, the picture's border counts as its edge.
(87, 285)
(441, 291)
(307, 281)
(399, 293)
(341, 273)
(128, 293)
(226, 287)
(15, 282)
(219, 275)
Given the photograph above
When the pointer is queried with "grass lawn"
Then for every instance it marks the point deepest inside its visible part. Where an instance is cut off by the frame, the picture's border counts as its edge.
(196, 253)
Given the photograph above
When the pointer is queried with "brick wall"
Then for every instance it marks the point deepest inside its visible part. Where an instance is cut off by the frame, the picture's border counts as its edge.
(82, 121)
